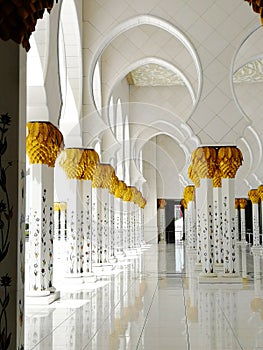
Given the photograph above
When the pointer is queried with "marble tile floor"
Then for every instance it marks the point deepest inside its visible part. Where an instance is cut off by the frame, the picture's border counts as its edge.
(152, 301)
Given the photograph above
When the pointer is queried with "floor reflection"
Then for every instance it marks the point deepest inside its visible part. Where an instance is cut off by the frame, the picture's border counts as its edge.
(154, 300)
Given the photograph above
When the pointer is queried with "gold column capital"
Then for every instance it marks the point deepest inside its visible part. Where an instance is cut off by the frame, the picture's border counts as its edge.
(253, 195)
(229, 159)
(142, 203)
(44, 142)
(184, 203)
(189, 193)
(121, 188)
(193, 175)
(204, 162)
(161, 203)
(102, 176)
(79, 163)
(114, 183)
(60, 206)
(242, 203)
(217, 181)
(236, 203)
(127, 194)
(260, 191)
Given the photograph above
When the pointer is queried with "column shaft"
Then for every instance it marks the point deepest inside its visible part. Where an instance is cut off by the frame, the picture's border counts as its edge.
(206, 223)
(41, 229)
(87, 225)
(229, 232)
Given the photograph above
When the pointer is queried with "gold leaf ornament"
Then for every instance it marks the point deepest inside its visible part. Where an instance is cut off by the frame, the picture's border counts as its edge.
(44, 142)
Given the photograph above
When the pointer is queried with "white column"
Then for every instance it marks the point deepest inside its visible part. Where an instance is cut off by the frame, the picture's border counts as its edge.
(137, 229)
(237, 219)
(254, 197)
(118, 224)
(206, 226)
(198, 224)
(125, 206)
(56, 221)
(104, 225)
(112, 228)
(41, 230)
(87, 227)
(63, 221)
(132, 225)
(243, 203)
(95, 226)
(191, 238)
(229, 232)
(161, 220)
(217, 225)
(75, 217)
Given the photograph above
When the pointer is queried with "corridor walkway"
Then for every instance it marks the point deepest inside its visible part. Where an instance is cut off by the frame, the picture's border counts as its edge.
(151, 302)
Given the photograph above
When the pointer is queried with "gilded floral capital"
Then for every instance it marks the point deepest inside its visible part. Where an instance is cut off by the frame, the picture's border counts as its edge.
(253, 195)
(229, 159)
(102, 176)
(120, 190)
(161, 203)
(204, 162)
(242, 203)
(184, 203)
(44, 142)
(260, 191)
(60, 206)
(217, 181)
(79, 163)
(236, 203)
(189, 193)
(127, 194)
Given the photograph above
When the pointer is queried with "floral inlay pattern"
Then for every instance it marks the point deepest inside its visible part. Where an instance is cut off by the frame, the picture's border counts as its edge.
(6, 214)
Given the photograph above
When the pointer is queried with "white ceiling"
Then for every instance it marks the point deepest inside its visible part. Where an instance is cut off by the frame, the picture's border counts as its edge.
(215, 47)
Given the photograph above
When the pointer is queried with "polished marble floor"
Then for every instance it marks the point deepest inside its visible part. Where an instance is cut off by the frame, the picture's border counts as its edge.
(152, 301)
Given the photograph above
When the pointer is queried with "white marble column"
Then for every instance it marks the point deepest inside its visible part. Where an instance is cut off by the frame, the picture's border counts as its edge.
(132, 226)
(42, 150)
(190, 229)
(56, 221)
(112, 228)
(126, 225)
(118, 219)
(75, 217)
(206, 226)
(87, 228)
(161, 203)
(243, 204)
(229, 232)
(198, 225)
(229, 159)
(254, 197)
(118, 225)
(104, 225)
(217, 209)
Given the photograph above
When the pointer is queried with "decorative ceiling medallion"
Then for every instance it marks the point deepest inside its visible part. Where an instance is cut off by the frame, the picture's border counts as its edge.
(251, 72)
(153, 75)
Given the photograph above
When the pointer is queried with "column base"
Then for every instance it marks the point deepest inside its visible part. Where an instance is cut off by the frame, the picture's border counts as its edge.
(89, 277)
(113, 260)
(41, 298)
(102, 268)
(131, 252)
(162, 242)
(219, 267)
(257, 249)
(207, 277)
(198, 266)
(230, 278)
(75, 278)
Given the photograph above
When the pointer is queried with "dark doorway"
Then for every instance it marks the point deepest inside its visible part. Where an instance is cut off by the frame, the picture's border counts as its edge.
(169, 220)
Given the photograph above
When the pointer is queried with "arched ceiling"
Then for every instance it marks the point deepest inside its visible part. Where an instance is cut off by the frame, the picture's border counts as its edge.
(207, 42)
